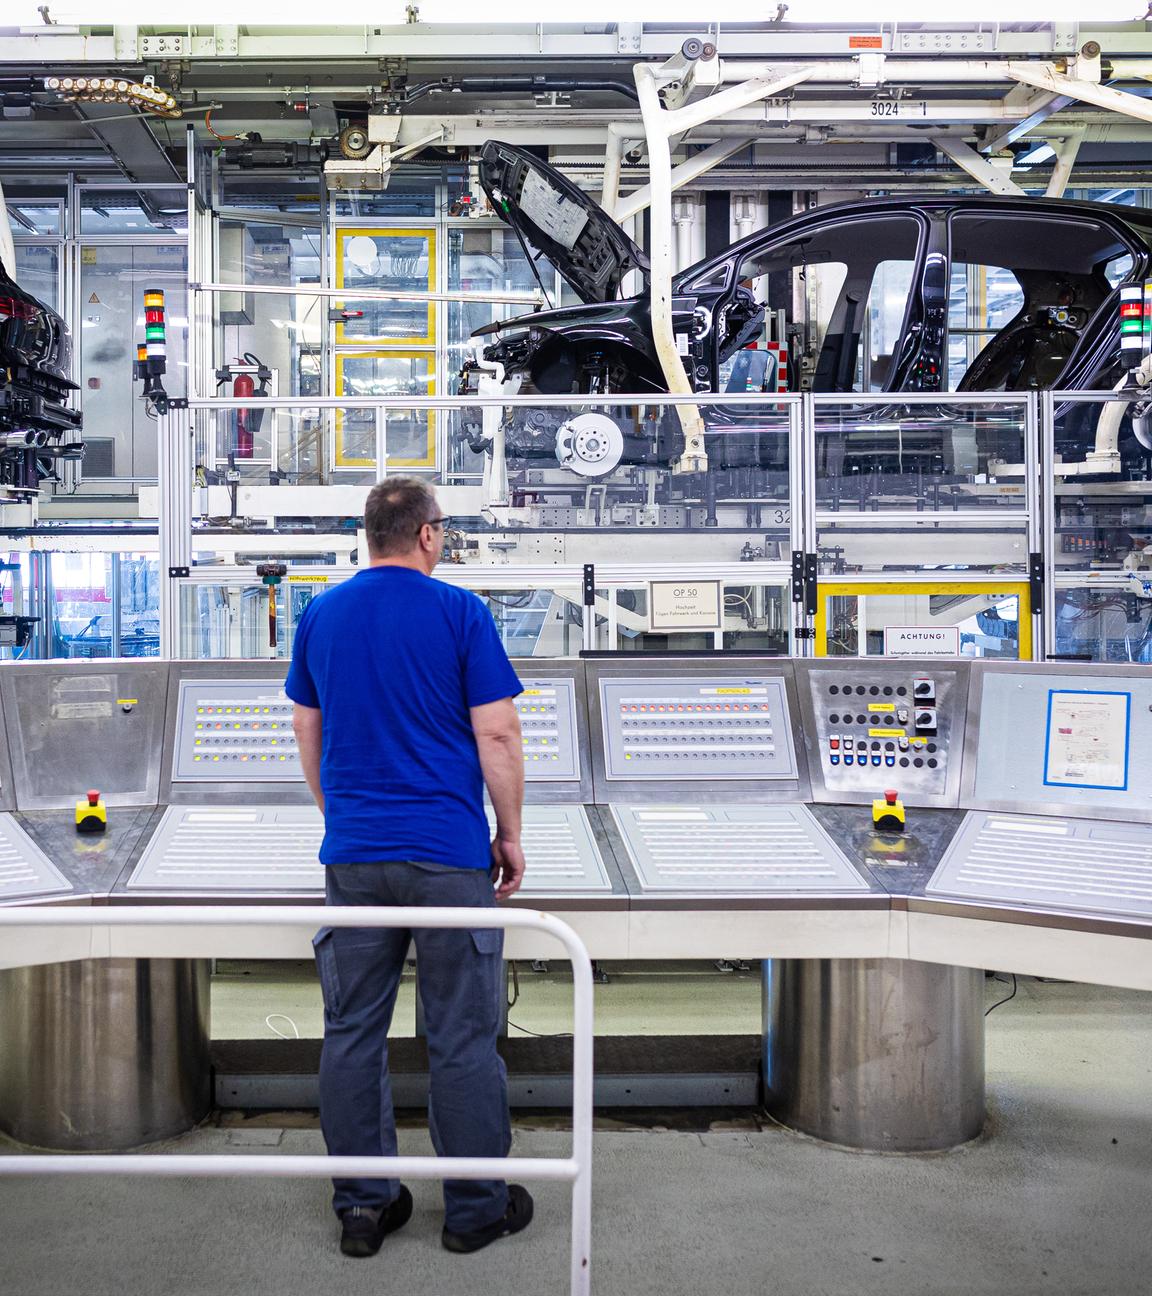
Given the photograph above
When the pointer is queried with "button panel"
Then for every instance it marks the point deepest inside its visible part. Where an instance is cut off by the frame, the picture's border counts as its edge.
(701, 728)
(885, 718)
(547, 710)
(234, 730)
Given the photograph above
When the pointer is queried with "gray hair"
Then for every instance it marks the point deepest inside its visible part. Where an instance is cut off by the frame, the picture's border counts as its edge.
(394, 513)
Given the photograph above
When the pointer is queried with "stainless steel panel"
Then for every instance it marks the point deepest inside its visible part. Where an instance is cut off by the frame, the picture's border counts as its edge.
(1004, 758)
(24, 868)
(232, 769)
(276, 849)
(79, 725)
(104, 1054)
(839, 701)
(883, 1054)
(233, 848)
(783, 778)
(561, 854)
(1078, 864)
(745, 850)
(228, 790)
(568, 677)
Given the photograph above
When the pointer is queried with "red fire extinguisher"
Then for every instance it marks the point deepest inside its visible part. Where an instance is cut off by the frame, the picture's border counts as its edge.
(250, 378)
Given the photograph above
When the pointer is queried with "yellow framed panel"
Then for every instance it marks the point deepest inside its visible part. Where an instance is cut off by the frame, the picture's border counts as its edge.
(428, 458)
(1006, 589)
(344, 234)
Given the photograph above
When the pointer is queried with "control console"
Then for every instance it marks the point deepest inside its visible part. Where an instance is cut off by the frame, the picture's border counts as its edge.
(874, 724)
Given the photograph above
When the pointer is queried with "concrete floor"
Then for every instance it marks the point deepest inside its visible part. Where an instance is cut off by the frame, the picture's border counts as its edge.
(1053, 1201)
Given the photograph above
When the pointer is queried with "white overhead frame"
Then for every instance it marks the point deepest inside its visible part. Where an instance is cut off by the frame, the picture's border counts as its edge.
(1066, 150)
(661, 125)
(669, 109)
(487, 41)
(994, 178)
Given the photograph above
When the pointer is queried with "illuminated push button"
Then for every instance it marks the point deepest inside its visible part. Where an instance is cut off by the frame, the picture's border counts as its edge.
(849, 759)
(834, 759)
(876, 760)
(889, 760)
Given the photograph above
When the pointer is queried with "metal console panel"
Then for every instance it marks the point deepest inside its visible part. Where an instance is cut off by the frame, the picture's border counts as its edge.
(78, 725)
(553, 714)
(741, 850)
(24, 868)
(231, 737)
(1024, 760)
(236, 704)
(1081, 865)
(682, 729)
(240, 731)
(876, 723)
(270, 848)
(233, 848)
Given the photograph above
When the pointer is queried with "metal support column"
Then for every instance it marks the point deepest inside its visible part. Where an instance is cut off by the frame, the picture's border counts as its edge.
(104, 1054)
(1047, 521)
(881, 1054)
(174, 472)
(1033, 460)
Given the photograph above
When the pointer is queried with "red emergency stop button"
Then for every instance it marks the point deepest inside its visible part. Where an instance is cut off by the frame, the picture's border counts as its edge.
(890, 796)
(93, 797)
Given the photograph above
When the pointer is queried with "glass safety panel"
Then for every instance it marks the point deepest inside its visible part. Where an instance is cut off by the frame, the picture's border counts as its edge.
(940, 458)
(118, 430)
(34, 216)
(1104, 620)
(755, 617)
(860, 545)
(232, 621)
(937, 620)
(1102, 518)
(38, 272)
(379, 260)
(133, 211)
(410, 435)
(282, 335)
(537, 622)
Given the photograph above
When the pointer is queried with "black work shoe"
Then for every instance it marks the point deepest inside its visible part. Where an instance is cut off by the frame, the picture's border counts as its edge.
(517, 1216)
(364, 1230)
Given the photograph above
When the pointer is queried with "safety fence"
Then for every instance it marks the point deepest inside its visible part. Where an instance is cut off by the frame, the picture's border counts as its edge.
(575, 1169)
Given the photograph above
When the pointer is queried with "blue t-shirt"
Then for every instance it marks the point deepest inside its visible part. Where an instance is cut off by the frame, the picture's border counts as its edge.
(394, 659)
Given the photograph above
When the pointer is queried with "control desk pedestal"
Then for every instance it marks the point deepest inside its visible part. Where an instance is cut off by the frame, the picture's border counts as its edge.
(101, 1055)
(881, 1054)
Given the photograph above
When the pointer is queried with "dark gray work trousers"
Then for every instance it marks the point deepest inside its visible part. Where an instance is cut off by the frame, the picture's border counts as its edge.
(459, 974)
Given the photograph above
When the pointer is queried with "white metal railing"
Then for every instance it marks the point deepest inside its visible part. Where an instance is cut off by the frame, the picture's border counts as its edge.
(575, 1169)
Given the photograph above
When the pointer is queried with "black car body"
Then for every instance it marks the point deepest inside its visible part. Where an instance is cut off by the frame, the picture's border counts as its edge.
(35, 360)
(1059, 265)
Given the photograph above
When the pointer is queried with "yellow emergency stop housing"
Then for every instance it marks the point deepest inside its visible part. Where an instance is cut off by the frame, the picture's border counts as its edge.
(888, 813)
(91, 814)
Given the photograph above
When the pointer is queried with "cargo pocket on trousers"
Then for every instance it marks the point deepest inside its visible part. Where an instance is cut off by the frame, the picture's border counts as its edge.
(488, 940)
(486, 982)
(325, 949)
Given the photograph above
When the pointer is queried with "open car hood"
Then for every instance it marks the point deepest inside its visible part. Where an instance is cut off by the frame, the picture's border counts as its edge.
(558, 219)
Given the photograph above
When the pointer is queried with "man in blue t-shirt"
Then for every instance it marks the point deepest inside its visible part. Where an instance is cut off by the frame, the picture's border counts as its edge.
(404, 712)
